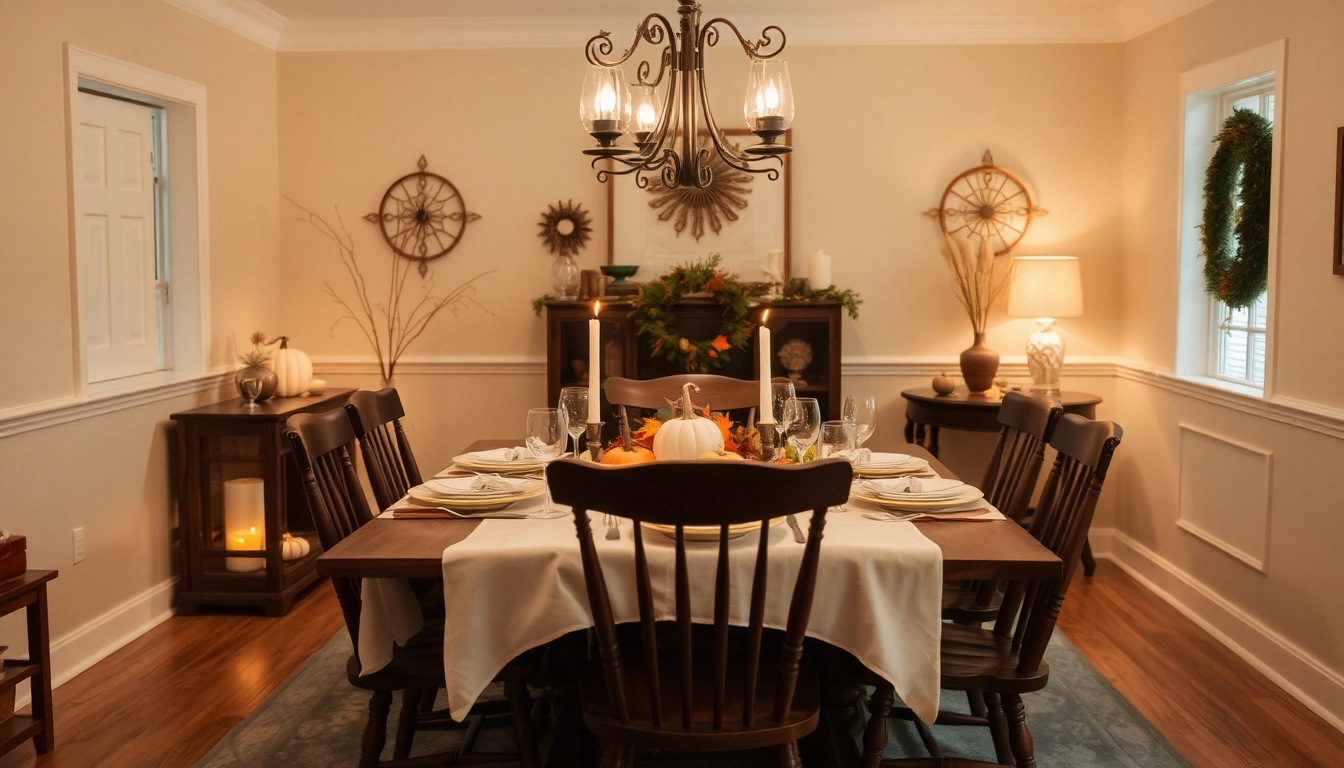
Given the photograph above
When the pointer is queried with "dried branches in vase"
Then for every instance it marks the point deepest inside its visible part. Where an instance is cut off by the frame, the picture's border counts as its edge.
(388, 326)
(973, 283)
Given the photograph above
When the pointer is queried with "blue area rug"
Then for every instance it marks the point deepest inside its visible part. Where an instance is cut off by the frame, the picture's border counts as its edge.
(315, 719)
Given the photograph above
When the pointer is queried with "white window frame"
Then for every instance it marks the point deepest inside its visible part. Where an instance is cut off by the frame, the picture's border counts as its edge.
(186, 223)
(1201, 102)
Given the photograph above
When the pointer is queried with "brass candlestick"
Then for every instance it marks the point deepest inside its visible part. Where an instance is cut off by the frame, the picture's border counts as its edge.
(594, 435)
(770, 441)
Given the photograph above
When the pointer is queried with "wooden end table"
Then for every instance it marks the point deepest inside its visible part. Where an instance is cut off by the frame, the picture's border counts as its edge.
(927, 412)
(29, 592)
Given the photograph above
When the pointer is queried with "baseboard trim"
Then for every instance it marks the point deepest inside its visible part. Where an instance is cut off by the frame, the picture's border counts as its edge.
(1290, 667)
(100, 638)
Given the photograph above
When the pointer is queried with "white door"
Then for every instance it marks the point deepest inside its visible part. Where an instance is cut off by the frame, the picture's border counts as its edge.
(114, 238)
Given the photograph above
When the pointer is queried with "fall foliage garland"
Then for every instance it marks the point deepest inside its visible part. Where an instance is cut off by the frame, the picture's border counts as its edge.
(655, 318)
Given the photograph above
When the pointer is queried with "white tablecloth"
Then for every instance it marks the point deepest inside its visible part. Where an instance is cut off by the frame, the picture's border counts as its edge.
(513, 585)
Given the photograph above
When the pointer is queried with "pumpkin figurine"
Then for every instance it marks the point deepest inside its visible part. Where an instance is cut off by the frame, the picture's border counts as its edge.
(627, 452)
(689, 435)
(292, 368)
(293, 547)
(720, 454)
(944, 385)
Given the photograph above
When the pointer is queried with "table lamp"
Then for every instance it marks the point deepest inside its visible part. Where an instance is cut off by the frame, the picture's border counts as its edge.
(1046, 288)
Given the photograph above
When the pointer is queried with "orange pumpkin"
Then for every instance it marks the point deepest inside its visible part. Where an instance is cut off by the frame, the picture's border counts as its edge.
(627, 452)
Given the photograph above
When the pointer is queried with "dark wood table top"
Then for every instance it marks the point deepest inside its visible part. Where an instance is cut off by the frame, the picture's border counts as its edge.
(275, 409)
(997, 549)
(963, 399)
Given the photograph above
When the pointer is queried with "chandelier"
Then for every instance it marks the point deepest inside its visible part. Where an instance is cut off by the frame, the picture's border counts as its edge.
(668, 115)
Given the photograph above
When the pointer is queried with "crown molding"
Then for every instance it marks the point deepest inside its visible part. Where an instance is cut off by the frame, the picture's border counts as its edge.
(260, 24)
(247, 18)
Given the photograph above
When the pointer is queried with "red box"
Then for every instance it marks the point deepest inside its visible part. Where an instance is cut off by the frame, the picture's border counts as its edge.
(13, 557)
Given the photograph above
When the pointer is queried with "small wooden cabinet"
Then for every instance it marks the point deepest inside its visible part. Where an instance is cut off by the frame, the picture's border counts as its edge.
(224, 442)
(29, 592)
(808, 332)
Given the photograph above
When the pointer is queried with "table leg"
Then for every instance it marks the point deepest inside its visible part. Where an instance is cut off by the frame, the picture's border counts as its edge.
(909, 431)
(39, 652)
(1089, 562)
(933, 440)
(842, 708)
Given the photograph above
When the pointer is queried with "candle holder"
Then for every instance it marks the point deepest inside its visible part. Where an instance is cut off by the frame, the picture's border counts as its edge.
(594, 435)
(770, 441)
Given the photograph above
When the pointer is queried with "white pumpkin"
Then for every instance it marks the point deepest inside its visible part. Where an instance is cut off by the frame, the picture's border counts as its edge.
(689, 436)
(293, 547)
(293, 370)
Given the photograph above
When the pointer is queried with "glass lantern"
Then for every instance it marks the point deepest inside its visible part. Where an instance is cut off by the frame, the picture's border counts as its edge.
(604, 106)
(769, 102)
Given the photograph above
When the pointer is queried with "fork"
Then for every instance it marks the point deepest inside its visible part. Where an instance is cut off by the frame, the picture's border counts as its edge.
(892, 517)
(463, 515)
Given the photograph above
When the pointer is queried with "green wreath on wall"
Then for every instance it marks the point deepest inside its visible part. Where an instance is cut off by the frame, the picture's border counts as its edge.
(1235, 231)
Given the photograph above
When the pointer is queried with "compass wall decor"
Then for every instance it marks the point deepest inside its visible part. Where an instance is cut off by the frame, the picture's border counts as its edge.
(989, 202)
(422, 216)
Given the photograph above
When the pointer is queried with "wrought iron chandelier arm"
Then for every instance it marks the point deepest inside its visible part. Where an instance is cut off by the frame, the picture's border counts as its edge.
(665, 161)
(729, 155)
(655, 28)
(709, 37)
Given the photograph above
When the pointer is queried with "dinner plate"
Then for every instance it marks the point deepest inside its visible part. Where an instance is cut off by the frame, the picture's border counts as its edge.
(523, 465)
(914, 466)
(925, 505)
(460, 487)
(422, 494)
(710, 532)
(931, 489)
(877, 460)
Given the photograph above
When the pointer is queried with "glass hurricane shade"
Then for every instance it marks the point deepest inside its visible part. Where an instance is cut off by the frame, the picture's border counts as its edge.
(604, 106)
(1045, 287)
(769, 101)
(645, 106)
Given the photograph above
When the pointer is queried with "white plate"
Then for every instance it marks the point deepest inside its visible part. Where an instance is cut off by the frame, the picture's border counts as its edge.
(920, 505)
(461, 487)
(888, 460)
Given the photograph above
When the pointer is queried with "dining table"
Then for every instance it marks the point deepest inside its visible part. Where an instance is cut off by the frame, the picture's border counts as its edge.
(387, 549)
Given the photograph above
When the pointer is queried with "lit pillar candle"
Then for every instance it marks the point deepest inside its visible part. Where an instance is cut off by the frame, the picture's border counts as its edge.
(767, 408)
(595, 366)
(244, 522)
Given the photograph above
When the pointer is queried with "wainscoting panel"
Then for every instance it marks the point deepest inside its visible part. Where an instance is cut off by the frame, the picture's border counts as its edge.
(1225, 494)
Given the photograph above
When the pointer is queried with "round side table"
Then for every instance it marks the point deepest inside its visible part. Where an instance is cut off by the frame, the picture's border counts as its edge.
(926, 412)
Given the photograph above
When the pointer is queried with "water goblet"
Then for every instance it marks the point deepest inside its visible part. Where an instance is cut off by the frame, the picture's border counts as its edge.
(863, 415)
(546, 436)
(251, 388)
(837, 442)
(574, 402)
(802, 421)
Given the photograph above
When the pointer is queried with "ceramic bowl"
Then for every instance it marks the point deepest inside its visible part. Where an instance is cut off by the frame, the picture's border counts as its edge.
(622, 272)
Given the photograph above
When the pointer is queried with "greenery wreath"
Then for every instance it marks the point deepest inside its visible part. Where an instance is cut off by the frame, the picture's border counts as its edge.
(1235, 231)
(654, 317)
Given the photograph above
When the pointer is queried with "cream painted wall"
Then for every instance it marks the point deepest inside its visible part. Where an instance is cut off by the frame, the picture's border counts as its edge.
(1293, 611)
(111, 473)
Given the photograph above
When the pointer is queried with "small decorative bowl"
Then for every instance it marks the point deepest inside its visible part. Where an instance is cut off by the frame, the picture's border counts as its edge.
(622, 272)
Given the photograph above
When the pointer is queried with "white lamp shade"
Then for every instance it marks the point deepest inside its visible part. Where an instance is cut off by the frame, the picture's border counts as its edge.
(1046, 286)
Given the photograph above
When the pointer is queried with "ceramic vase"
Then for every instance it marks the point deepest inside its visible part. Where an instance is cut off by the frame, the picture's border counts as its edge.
(268, 381)
(979, 364)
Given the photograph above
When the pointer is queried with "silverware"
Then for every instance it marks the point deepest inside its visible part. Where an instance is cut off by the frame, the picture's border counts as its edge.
(613, 524)
(892, 517)
(798, 536)
(464, 515)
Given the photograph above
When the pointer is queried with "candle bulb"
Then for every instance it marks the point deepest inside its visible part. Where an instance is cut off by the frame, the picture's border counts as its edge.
(244, 522)
(594, 366)
(767, 409)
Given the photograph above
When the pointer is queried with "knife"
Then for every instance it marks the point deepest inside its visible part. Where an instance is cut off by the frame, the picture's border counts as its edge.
(798, 536)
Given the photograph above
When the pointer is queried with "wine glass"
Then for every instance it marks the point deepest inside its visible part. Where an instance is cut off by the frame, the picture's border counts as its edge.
(547, 429)
(780, 392)
(863, 415)
(837, 440)
(802, 420)
(574, 402)
(251, 389)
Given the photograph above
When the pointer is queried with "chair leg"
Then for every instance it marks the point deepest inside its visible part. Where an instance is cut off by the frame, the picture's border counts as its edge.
(875, 735)
(786, 756)
(977, 702)
(998, 728)
(427, 697)
(616, 755)
(375, 731)
(1089, 562)
(1019, 736)
(520, 703)
(926, 736)
(406, 722)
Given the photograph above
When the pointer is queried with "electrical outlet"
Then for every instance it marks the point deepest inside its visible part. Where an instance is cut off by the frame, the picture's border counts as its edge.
(79, 544)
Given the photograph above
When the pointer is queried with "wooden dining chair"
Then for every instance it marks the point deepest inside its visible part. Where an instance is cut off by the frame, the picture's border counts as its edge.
(1027, 424)
(722, 393)
(688, 701)
(388, 460)
(318, 442)
(1009, 660)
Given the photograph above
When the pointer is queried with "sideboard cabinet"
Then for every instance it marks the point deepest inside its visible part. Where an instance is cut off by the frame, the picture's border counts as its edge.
(805, 347)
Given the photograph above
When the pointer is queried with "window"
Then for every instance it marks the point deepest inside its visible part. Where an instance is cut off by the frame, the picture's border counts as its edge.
(1231, 349)
(1239, 334)
(119, 228)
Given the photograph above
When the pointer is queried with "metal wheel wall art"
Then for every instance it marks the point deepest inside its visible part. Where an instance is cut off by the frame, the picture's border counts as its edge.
(422, 216)
(987, 202)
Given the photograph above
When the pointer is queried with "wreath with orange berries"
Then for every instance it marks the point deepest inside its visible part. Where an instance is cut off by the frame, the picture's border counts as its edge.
(655, 317)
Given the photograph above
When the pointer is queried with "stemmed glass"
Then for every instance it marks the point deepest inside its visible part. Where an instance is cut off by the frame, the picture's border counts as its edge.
(863, 415)
(837, 442)
(251, 388)
(547, 429)
(802, 420)
(574, 402)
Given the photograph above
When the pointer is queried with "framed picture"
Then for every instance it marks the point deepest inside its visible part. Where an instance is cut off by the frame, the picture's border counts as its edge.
(1339, 202)
(740, 216)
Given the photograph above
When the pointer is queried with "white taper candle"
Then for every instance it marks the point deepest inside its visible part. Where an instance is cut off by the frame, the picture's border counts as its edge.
(594, 366)
(766, 413)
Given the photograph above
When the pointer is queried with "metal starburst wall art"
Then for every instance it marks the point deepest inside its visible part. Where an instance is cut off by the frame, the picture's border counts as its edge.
(712, 206)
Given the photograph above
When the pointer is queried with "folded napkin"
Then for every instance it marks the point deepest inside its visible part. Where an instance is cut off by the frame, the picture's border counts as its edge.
(911, 486)
(498, 455)
(883, 460)
(497, 483)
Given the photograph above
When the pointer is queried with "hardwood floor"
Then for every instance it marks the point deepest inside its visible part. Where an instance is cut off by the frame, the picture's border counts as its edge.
(165, 699)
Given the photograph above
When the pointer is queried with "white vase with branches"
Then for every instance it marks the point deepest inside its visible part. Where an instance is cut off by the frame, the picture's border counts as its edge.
(972, 267)
(390, 325)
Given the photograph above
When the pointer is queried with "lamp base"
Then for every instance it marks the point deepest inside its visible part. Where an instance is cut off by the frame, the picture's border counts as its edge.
(1045, 358)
